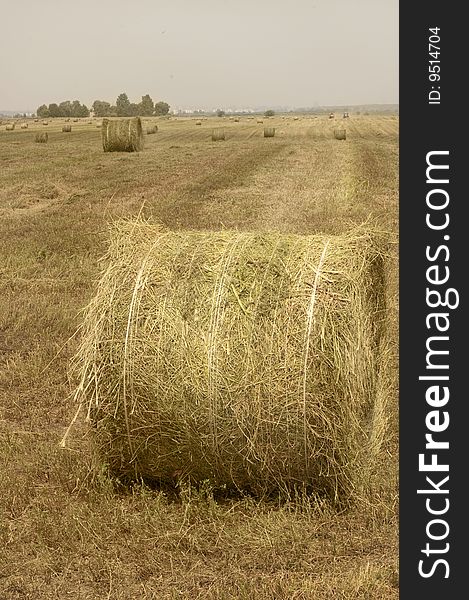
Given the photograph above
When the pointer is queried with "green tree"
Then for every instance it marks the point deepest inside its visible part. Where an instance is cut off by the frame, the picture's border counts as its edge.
(54, 110)
(101, 108)
(146, 106)
(161, 108)
(269, 113)
(123, 105)
(133, 110)
(42, 112)
(65, 108)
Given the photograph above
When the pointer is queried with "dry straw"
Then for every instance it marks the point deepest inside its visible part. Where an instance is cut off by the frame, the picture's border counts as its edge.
(269, 132)
(259, 121)
(45, 122)
(10, 127)
(122, 135)
(152, 130)
(340, 134)
(198, 122)
(66, 128)
(42, 137)
(245, 359)
(24, 126)
(218, 135)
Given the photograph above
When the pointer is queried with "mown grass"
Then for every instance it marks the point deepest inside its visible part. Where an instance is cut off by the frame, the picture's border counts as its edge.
(66, 529)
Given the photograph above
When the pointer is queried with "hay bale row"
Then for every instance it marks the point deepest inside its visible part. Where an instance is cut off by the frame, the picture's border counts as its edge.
(218, 135)
(66, 128)
(245, 359)
(340, 134)
(42, 137)
(269, 132)
(152, 130)
(122, 135)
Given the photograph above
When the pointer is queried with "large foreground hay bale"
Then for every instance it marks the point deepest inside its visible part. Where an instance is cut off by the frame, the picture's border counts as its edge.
(340, 134)
(66, 128)
(152, 130)
(122, 135)
(245, 359)
(269, 131)
(42, 137)
(218, 135)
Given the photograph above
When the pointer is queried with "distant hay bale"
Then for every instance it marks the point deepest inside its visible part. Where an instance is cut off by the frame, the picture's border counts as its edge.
(331, 115)
(122, 135)
(151, 130)
(246, 359)
(36, 120)
(296, 118)
(198, 122)
(218, 135)
(67, 120)
(66, 128)
(76, 120)
(10, 127)
(99, 125)
(269, 131)
(42, 137)
(260, 121)
(236, 120)
(24, 126)
(340, 134)
(45, 122)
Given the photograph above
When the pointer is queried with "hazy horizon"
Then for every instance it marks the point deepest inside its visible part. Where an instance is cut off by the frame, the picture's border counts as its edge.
(204, 55)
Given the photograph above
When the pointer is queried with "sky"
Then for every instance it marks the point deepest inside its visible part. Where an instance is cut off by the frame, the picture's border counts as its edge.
(199, 53)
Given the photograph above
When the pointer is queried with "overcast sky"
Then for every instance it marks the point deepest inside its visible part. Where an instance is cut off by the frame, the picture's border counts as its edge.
(199, 53)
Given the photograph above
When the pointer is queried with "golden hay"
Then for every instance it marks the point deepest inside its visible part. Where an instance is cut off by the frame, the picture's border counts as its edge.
(340, 134)
(24, 126)
(122, 135)
(218, 135)
(66, 128)
(152, 130)
(269, 131)
(246, 359)
(42, 138)
(198, 122)
(45, 122)
(259, 121)
(10, 127)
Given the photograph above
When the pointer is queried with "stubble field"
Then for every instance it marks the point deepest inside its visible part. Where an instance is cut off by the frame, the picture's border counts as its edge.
(66, 529)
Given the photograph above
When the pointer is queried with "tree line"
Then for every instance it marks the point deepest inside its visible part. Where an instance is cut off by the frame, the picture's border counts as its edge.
(122, 108)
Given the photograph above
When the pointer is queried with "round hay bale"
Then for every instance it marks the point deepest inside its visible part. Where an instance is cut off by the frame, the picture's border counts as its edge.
(236, 120)
(66, 128)
(99, 125)
(340, 134)
(36, 120)
(259, 121)
(122, 135)
(10, 127)
(76, 120)
(45, 122)
(24, 126)
(152, 130)
(67, 120)
(198, 122)
(269, 131)
(331, 115)
(218, 135)
(245, 359)
(42, 137)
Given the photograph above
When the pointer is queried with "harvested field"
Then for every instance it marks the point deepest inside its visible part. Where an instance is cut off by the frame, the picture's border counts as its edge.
(68, 529)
